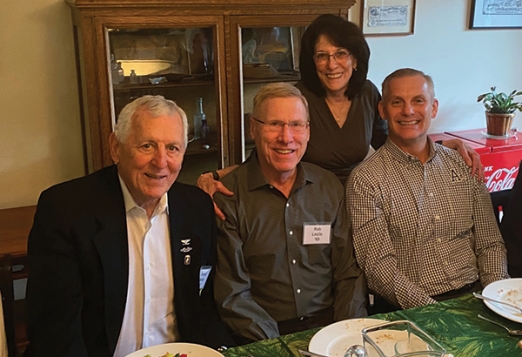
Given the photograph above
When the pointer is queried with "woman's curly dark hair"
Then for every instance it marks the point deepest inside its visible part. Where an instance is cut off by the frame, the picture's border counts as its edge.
(341, 33)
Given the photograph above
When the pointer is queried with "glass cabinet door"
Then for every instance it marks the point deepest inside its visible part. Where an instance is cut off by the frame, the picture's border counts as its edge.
(177, 63)
(268, 52)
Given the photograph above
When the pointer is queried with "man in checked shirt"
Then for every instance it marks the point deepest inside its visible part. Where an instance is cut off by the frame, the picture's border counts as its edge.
(423, 228)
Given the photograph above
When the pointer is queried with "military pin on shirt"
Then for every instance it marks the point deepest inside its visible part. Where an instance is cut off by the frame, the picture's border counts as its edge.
(186, 248)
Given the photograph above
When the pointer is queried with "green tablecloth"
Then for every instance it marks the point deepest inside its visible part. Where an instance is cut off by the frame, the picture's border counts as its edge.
(453, 323)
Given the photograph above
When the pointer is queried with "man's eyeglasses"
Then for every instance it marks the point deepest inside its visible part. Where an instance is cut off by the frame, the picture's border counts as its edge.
(275, 126)
(340, 56)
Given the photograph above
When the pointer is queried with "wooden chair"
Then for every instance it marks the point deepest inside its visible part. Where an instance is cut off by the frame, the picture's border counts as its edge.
(15, 320)
(6, 286)
(15, 225)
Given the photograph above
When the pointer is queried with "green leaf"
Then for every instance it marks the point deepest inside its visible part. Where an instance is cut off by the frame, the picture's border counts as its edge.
(500, 103)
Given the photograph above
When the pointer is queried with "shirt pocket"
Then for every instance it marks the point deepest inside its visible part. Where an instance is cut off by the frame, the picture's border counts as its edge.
(319, 255)
(402, 222)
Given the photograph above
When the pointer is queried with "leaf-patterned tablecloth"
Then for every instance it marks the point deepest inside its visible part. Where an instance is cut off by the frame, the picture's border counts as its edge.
(453, 323)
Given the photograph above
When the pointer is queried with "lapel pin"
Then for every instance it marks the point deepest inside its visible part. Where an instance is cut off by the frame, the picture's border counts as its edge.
(186, 261)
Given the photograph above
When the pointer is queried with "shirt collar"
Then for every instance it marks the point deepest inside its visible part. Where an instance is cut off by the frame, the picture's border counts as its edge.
(402, 156)
(256, 178)
(130, 203)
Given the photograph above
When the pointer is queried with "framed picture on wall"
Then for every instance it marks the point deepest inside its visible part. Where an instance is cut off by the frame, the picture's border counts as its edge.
(487, 14)
(387, 17)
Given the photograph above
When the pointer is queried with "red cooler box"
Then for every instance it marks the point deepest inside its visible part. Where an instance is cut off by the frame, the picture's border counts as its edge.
(500, 157)
(445, 136)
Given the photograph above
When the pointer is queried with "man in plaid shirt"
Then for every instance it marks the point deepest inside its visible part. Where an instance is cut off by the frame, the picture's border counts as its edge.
(423, 228)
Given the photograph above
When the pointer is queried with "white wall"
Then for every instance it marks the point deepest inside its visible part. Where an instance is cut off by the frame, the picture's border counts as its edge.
(463, 63)
(40, 138)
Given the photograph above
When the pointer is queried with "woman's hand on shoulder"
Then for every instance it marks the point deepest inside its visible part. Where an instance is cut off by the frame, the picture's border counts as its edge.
(470, 156)
(207, 183)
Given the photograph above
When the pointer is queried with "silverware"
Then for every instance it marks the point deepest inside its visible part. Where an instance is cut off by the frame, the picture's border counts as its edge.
(311, 354)
(478, 296)
(511, 332)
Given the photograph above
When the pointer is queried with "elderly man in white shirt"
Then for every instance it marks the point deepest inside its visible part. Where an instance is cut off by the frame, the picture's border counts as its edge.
(123, 258)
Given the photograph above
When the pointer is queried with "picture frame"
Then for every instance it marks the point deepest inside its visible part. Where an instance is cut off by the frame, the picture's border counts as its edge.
(495, 14)
(387, 17)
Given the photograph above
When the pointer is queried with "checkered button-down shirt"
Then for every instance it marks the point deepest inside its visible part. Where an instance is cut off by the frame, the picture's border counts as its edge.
(422, 229)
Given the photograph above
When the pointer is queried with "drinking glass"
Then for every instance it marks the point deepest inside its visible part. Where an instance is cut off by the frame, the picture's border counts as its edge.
(400, 339)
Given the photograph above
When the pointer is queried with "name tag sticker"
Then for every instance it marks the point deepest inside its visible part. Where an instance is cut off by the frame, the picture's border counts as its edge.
(204, 272)
(317, 233)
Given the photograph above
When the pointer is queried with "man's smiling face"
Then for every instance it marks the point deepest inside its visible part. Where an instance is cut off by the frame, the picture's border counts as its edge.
(280, 151)
(150, 159)
(409, 107)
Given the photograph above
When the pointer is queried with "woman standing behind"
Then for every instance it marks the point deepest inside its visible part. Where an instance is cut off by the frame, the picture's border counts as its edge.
(343, 104)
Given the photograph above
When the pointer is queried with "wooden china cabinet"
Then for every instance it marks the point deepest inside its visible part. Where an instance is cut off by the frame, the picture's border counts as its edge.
(219, 50)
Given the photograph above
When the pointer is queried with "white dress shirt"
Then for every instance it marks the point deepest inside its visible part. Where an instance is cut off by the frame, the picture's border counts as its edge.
(149, 317)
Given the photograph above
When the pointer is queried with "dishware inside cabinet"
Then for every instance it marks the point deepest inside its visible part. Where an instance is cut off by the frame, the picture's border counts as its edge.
(176, 63)
(268, 54)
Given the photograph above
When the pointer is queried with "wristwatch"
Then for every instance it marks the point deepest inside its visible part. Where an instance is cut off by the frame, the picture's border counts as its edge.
(214, 173)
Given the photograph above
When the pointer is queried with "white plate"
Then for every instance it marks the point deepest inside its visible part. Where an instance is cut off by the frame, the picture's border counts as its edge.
(508, 290)
(144, 67)
(510, 134)
(191, 349)
(335, 339)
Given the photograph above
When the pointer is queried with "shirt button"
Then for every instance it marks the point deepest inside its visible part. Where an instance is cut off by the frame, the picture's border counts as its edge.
(293, 261)
(299, 291)
(437, 217)
(291, 232)
(301, 318)
(439, 240)
(287, 204)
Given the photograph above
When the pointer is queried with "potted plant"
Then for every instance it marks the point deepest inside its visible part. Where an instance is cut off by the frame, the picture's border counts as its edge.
(500, 110)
